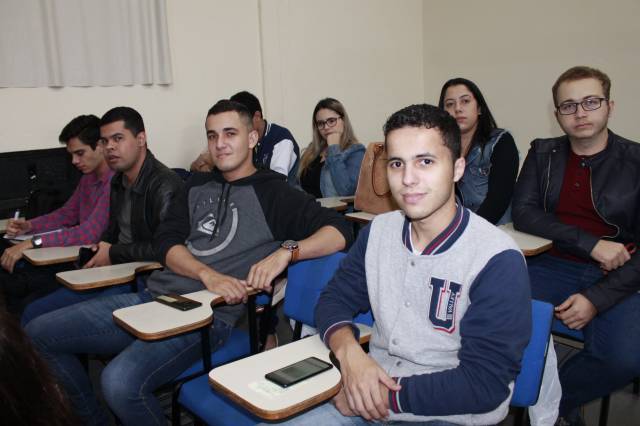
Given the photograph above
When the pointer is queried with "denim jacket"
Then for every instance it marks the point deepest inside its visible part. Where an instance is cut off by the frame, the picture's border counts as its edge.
(339, 174)
(474, 184)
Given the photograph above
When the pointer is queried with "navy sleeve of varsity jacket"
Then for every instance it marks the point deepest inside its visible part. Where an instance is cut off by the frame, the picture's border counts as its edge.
(346, 294)
(494, 332)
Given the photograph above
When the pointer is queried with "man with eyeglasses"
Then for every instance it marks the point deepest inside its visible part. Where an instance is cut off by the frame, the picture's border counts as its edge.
(582, 191)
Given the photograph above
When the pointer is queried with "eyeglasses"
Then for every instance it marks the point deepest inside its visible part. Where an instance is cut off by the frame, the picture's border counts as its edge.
(329, 122)
(589, 104)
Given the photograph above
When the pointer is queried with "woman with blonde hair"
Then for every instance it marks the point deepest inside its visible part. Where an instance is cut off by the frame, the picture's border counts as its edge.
(330, 165)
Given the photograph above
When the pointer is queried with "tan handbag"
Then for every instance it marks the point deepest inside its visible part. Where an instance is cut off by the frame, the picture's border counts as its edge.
(373, 194)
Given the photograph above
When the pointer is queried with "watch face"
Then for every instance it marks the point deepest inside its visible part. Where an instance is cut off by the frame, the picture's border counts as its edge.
(290, 244)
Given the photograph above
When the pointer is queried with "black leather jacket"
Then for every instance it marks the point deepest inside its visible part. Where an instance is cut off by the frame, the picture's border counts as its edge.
(155, 189)
(615, 190)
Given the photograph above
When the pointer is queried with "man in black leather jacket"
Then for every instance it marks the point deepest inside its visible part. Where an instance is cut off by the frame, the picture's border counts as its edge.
(582, 191)
(141, 191)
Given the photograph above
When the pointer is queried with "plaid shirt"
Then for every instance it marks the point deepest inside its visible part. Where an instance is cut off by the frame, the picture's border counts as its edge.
(83, 218)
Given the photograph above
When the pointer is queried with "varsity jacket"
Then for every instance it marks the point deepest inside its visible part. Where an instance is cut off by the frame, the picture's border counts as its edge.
(156, 189)
(615, 191)
(450, 325)
(274, 138)
(233, 225)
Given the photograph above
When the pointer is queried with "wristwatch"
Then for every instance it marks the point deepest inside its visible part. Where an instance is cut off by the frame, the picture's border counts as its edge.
(293, 248)
(36, 241)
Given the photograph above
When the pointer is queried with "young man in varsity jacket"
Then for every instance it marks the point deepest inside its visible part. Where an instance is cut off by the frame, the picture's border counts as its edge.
(239, 230)
(449, 293)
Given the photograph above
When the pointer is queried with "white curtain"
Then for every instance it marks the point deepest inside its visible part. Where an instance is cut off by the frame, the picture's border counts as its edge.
(83, 43)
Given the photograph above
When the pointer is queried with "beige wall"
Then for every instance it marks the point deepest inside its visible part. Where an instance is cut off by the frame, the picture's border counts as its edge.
(514, 51)
(365, 53)
(308, 49)
(209, 55)
(374, 55)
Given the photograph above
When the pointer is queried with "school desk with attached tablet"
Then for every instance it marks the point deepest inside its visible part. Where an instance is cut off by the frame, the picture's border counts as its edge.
(51, 255)
(244, 381)
(104, 276)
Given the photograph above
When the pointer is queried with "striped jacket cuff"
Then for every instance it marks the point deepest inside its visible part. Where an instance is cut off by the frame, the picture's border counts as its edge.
(394, 398)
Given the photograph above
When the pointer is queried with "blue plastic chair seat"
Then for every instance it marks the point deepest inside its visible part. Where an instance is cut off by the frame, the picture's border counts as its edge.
(236, 346)
(197, 396)
(527, 384)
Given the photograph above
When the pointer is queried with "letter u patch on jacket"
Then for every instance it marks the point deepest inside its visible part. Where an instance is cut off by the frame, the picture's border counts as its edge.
(442, 308)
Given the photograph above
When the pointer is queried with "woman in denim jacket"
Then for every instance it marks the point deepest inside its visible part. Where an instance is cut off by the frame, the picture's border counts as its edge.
(490, 152)
(330, 165)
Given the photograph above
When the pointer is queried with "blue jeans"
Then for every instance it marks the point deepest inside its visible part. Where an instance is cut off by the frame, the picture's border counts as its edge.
(64, 297)
(128, 381)
(327, 414)
(611, 356)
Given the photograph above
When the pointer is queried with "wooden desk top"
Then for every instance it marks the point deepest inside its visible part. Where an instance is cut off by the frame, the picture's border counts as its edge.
(51, 255)
(153, 320)
(3, 225)
(243, 381)
(530, 245)
(360, 217)
(335, 203)
(104, 276)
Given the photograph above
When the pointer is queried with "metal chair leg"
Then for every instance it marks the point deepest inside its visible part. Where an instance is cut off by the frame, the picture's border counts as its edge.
(604, 410)
(253, 325)
(519, 416)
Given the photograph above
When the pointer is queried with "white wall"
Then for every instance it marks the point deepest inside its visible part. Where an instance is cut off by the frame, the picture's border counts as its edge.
(515, 50)
(211, 52)
(376, 56)
(366, 53)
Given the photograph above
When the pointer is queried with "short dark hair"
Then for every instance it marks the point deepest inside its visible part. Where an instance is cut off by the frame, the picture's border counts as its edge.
(84, 127)
(226, 105)
(579, 73)
(132, 119)
(486, 122)
(249, 100)
(429, 117)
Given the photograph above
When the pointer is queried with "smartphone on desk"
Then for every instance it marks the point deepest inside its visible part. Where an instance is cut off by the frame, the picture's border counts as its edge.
(297, 372)
(178, 302)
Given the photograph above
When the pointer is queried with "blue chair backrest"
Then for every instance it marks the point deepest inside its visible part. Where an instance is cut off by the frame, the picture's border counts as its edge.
(305, 281)
(527, 385)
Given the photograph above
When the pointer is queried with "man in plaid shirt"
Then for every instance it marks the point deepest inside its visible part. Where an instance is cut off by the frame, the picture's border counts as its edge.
(81, 220)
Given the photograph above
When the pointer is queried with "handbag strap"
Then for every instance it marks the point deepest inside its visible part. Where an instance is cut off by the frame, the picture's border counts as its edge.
(377, 152)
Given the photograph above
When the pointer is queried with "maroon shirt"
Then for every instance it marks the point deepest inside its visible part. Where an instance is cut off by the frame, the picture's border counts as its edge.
(576, 207)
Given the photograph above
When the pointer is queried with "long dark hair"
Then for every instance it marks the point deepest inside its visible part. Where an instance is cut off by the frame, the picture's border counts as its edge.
(486, 123)
(28, 393)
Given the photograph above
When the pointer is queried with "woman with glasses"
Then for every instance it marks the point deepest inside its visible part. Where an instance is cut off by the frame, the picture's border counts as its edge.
(490, 152)
(330, 165)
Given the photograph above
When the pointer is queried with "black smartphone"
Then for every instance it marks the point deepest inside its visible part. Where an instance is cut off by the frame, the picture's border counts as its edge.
(179, 302)
(84, 255)
(301, 370)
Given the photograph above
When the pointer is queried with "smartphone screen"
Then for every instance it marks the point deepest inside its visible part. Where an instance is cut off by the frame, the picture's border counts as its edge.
(297, 372)
(178, 302)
